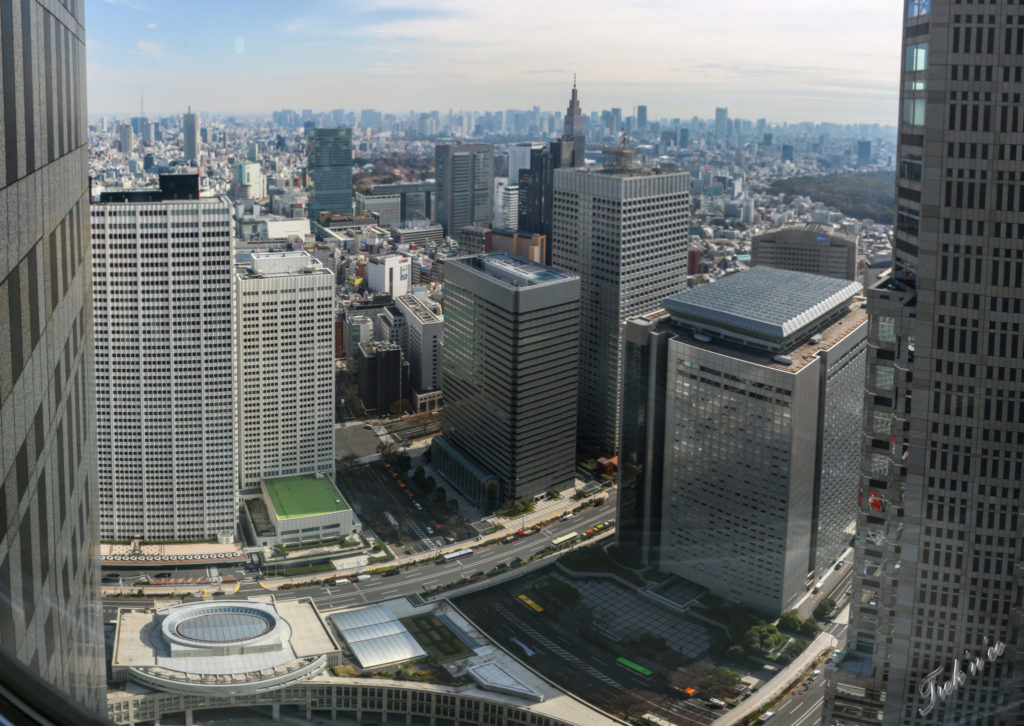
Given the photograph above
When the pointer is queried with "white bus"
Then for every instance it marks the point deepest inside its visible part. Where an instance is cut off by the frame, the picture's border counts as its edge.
(457, 554)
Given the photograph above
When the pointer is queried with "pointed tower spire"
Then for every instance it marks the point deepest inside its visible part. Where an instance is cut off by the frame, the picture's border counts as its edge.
(574, 127)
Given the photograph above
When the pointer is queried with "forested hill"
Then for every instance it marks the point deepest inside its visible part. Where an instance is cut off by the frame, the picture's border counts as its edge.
(864, 196)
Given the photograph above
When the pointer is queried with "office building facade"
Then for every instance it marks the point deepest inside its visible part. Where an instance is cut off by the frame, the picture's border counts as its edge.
(819, 249)
(329, 162)
(284, 303)
(738, 468)
(465, 185)
(389, 274)
(383, 378)
(624, 232)
(938, 578)
(165, 362)
(425, 331)
(511, 331)
(50, 617)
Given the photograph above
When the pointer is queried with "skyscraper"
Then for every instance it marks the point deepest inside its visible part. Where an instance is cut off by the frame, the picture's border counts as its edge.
(190, 127)
(465, 185)
(641, 117)
(935, 621)
(574, 130)
(623, 230)
(721, 124)
(49, 570)
(511, 351)
(741, 414)
(285, 362)
(863, 153)
(127, 138)
(329, 162)
(165, 362)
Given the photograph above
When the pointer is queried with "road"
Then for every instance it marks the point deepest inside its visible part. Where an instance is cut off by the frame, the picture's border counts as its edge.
(804, 708)
(417, 579)
(429, 576)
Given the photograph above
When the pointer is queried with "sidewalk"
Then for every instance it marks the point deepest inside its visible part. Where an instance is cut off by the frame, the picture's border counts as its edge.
(778, 685)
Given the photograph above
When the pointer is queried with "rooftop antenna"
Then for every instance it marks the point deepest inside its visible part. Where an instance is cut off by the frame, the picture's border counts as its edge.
(574, 80)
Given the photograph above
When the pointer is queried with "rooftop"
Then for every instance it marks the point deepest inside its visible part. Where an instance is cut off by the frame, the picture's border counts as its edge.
(417, 308)
(278, 264)
(304, 496)
(764, 302)
(514, 271)
(801, 355)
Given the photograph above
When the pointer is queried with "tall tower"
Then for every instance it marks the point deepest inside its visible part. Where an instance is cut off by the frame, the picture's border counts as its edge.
(165, 362)
(285, 361)
(190, 126)
(623, 231)
(574, 130)
(50, 616)
(465, 185)
(329, 161)
(936, 614)
(510, 359)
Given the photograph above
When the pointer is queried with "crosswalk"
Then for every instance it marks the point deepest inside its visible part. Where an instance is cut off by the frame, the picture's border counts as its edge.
(555, 648)
(418, 531)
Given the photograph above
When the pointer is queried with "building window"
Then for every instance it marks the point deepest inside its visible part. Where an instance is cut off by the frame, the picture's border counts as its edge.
(916, 8)
(917, 57)
(913, 111)
(886, 329)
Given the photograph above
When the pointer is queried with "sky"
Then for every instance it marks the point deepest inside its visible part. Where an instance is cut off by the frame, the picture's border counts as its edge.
(784, 60)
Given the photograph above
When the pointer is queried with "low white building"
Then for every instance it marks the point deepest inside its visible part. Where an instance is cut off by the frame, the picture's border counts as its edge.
(390, 274)
(300, 510)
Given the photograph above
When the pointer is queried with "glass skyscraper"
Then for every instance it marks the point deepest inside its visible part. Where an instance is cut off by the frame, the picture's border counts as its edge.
(49, 570)
(938, 589)
(329, 161)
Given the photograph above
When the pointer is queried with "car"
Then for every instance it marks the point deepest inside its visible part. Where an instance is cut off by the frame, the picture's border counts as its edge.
(715, 703)
(764, 717)
(839, 565)
(816, 674)
(162, 575)
(570, 515)
(390, 573)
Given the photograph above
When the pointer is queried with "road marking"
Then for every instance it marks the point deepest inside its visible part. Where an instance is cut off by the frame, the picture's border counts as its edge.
(811, 712)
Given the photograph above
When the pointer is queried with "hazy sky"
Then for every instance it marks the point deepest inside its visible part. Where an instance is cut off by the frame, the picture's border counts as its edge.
(785, 60)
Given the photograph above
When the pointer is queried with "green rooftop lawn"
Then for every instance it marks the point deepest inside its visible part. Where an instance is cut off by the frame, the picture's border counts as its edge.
(303, 496)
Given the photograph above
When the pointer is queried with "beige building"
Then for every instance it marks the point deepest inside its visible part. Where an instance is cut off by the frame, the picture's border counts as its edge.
(820, 249)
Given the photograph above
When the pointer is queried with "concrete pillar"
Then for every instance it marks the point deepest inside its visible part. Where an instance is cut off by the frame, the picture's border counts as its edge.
(188, 717)
(309, 712)
(275, 710)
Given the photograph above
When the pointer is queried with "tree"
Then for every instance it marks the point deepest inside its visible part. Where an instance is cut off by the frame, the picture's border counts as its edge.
(387, 451)
(403, 461)
(453, 505)
(824, 608)
(400, 406)
(791, 622)
(809, 627)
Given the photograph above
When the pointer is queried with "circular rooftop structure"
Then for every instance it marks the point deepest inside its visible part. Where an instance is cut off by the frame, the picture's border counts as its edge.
(223, 628)
(228, 624)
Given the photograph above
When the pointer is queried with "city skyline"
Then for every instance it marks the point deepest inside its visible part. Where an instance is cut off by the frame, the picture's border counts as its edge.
(757, 61)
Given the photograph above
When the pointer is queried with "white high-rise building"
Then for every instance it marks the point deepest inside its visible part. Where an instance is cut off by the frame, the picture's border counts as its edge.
(285, 339)
(165, 362)
(519, 159)
(510, 207)
(423, 342)
(390, 274)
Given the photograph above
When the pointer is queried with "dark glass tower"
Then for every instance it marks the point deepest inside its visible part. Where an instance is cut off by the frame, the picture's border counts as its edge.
(939, 575)
(49, 567)
(329, 160)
